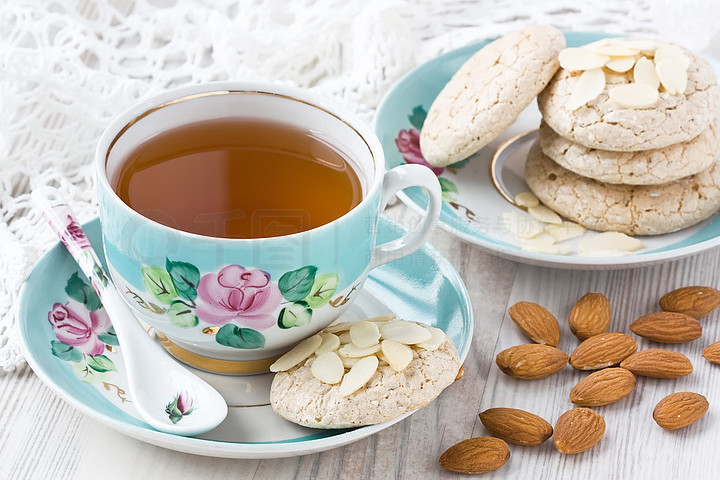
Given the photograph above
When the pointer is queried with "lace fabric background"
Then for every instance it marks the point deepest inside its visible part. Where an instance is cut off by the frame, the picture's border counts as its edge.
(67, 67)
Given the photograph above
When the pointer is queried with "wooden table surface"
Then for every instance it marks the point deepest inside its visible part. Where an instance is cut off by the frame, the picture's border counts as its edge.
(43, 437)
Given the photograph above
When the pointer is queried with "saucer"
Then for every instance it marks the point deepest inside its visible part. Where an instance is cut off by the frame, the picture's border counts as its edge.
(422, 286)
(476, 191)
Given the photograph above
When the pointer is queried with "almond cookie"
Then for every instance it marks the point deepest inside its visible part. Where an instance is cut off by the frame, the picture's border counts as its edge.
(630, 209)
(488, 92)
(300, 397)
(605, 123)
(645, 167)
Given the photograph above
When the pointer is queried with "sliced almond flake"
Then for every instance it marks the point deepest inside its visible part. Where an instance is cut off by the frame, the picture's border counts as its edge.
(590, 84)
(606, 241)
(672, 77)
(330, 343)
(386, 317)
(621, 64)
(526, 199)
(349, 362)
(542, 240)
(616, 50)
(671, 52)
(437, 338)
(358, 376)
(554, 249)
(644, 72)
(405, 332)
(645, 47)
(328, 368)
(297, 354)
(353, 351)
(338, 328)
(344, 338)
(397, 354)
(565, 231)
(575, 59)
(545, 215)
(634, 95)
(521, 225)
(364, 334)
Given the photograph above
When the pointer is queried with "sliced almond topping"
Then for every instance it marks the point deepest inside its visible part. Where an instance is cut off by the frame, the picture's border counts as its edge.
(353, 351)
(671, 75)
(634, 95)
(542, 240)
(330, 343)
(437, 338)
(522, 225)
(621, 64)
(615, 50)
(671, 52)
(350, 362)
(386, 317)
(590, 84)
(364, 334)
(358, 375)
(644, 72)
(526, 199)
(297, 354)
(328, 368)
(581, 59)
(338, 328)
(544, 214)
(609, 241)
(344, 338)
(565, 231)
(405, 332)
(398, 355)
(645, 47)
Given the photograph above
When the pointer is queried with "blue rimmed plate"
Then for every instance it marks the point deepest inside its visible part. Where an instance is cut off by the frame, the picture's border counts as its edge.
(473, 207)
(422, 286)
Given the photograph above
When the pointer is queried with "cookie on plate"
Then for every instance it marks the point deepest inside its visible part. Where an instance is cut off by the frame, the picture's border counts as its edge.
(298, 395)
(610, 121)
(644, 167)
(634, 210)
(488, 92)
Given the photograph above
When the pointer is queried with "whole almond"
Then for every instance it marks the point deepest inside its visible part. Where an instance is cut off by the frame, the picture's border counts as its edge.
(667, 327)
(603, 387)
(578, 430)
(679, 410)
(590, 315)
(712, 353)
(602, 350)
(536, 323)
(516, 426)
(475, 455)
(658, 363)
(531, 361)
(694, 301)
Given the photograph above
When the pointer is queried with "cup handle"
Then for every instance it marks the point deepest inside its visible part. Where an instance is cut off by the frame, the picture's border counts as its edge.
(396, 179)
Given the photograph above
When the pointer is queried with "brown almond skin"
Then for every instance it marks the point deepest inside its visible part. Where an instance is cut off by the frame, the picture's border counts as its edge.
(679, 410)
(590, 315)
(695, 301)
(536, 323)
(602, 350)
(578, 430)
(516, 426)
(658, 363)
(475, 456)
(603, 387)
(712, 353)
(531, 361)
(667, 327)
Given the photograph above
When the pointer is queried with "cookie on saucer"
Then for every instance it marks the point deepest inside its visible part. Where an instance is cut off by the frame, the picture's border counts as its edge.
(644, 167)
(488, 92)
(298, 395)
(633, 210)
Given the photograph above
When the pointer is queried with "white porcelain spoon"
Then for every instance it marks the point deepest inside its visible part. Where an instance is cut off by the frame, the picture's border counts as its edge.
(167, 396)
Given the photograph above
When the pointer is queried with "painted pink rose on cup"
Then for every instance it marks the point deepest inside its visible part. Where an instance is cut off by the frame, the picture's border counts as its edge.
(408, 143)
(237, 293)
(74, 325)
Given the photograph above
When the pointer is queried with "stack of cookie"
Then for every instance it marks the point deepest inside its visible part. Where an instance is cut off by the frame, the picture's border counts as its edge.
(630, 138)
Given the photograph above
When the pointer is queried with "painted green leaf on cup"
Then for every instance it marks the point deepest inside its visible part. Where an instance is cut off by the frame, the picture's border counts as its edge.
(181, 315)
(80, 291)
(448, 188)
(100, 363)
(296, 315)
(233, 336)
(65, 352)
(185, 277)
(417, 117)
(296, 285)
(109, 337)
(158, 282)
(322, 290)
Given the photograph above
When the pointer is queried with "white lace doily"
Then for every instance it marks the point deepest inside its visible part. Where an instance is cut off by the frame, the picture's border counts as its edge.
(67, 67)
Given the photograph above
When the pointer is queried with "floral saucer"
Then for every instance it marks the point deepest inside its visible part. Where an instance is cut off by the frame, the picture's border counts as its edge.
(79, 358)
(472, 205)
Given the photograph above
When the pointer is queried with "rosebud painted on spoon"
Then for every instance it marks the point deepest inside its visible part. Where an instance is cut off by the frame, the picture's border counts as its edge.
(166, 395)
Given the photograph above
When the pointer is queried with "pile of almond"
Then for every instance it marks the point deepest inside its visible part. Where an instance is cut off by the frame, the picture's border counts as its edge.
(614, 361)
